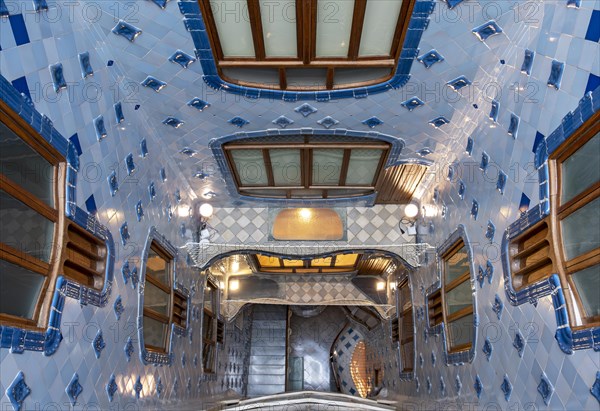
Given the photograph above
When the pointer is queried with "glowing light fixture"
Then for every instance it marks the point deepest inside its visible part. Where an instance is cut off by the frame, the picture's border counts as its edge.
(305, 213)
(411, 210)
(234, 285)
(381, 286)
(206, 210)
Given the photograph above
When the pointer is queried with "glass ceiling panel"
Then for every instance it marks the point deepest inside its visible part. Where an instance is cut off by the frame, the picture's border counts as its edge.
(379, 27)
(267, 261)
(250, 166)
(279, 28)
(293, 263)
(334, 24)
(321, 262)
(327, 165)
(286, 167)
(345, 260)
(233, 27)
(363, 166)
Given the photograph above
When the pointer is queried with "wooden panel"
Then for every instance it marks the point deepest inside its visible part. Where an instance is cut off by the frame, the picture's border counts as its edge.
(84, 257)
(436, 315)
(373, 266)
(397, 184)
(531, 257)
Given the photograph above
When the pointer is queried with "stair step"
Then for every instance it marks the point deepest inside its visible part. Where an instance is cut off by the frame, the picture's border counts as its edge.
(267, 360)
(262, 333)
(260, 369)
(267, 351)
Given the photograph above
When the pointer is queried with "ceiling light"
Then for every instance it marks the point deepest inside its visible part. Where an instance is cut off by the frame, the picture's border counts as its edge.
(392, 285)
(305, 213)
(411, 210)
(235, 266)
(234, 285)
(183, 211)
(381, 286)
(206, 210)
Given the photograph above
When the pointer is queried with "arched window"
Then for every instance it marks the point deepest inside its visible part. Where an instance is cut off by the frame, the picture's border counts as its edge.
(306, 44)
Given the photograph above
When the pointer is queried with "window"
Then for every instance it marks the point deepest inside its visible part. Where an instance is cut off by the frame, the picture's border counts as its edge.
(30, 214)
(210, 329)
(306, 44)
(310, 170)
(162, 305)
(37, 242)
(406, 327)
(453, 302)
(575, 173)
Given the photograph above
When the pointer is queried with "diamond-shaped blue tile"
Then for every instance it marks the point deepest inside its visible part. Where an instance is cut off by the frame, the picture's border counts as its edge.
(138, 387)
(111, 388)
(513, 127)
(134, 277)
(556, 73)
(139, 210)
(85, 66)
(100, 128)
(430, 58)
(129, 164)
(545, 389)
(17, 391)
(119, 116)
(98, 344)
(143, 148)
(58, 77)
(595, 390)
(412, 103)
(238, 121)
(124, 231)
(74, 389)
(487, 30)
(424, 152)
(153, 83)
(126, 30)
(461, 189)
(428, 383)
(474, 209)
(328, 122)
(182, 58)
(501, 183)
(498, 306)
(527, 61)
(494, 111)
(305, 109)
(439, 121)
(457, 384)
(128, 349)
(485, 161)
(372, 122)
(506, 387)
(469, 147)
(118, 307)
(173, 122)
(478, 386)
(490, 231)
(487, 349)
(152, 191)
(163, 174)
(519, 343)
(190, 152)
(458, 83)
(282, 121)
(198, 104)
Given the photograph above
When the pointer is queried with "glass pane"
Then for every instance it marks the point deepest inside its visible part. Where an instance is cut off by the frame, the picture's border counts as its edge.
(358, 75)
(459, 298)
(250, 165)
(19, 290)
(321, 262)
(210, 297)
(23, 165)
(307, 193)
(587, 282)
(267, 260)
(456, 265)
(208, 326)
(334, 23)
(279, 28)
(363, 166)
(405, 301)
(306, 77)
(155, 332)
(265, 193)
(233, 26)
(157, 267)
(345, 260)
(293, 263)
(460, 332)
(267, 77)
(24, 229)
(327, 165)
(156, 299)
(286, 167)
(581, 230)
(581, 170)
(379, 27)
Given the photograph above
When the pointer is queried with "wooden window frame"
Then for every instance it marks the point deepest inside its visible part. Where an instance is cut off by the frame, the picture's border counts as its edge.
(306, 33)
(55, 214)
(405, 341)
(566, 268)
(445, 288)
(213, 319)
(168, 289)
(306, 168)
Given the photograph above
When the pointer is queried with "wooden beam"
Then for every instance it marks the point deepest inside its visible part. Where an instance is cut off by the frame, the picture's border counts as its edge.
(358, 19)
(257, 29)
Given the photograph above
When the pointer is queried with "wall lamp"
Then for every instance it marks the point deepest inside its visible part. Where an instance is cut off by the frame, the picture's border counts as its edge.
(206, 211)
(407, 223)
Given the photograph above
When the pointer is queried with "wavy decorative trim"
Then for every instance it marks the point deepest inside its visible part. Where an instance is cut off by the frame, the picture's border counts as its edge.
(466, 356)
(195, 26)
(17, 339)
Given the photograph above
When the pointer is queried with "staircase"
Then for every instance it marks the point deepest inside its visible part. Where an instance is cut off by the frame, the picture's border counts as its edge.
(268, 350)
